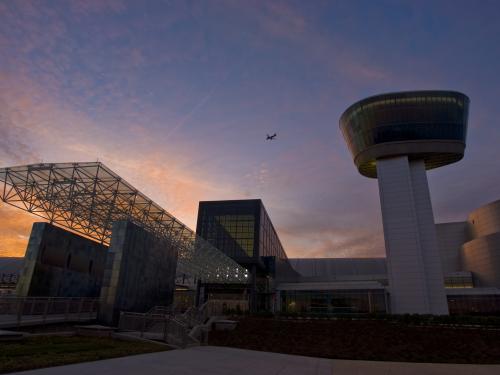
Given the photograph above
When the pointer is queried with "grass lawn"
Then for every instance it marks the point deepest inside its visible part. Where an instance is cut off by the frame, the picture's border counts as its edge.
(363, 340)
(46, 351)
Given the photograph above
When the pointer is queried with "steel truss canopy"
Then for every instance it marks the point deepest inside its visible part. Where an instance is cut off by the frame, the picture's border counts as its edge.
(87, 198)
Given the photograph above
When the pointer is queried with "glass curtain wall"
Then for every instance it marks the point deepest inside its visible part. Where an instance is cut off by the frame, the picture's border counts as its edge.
(451, 281)
(333, 301)
(269, 241)
(240, 229)
(474, 304)
(405, 116)
(232, 234)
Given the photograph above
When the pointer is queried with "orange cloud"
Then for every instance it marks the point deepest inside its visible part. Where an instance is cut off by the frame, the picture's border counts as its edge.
(15, 228)
(61, 134)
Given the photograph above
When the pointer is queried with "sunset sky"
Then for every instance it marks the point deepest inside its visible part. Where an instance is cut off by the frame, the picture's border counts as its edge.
(177, 98)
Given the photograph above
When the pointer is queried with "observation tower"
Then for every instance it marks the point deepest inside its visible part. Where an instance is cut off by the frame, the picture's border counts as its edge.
(395, 138)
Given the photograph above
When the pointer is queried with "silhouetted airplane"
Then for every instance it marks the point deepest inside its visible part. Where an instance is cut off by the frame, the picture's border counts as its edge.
(270, 137)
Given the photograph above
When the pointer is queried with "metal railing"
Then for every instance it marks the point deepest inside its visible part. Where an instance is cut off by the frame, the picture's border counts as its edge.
(163, 327)
(17, 311)
(181, 330)
(161, 310)
(177, 333)
(199, 315)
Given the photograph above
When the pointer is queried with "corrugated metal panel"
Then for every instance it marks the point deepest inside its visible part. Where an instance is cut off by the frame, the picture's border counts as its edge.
(359, 285)
(327, 269)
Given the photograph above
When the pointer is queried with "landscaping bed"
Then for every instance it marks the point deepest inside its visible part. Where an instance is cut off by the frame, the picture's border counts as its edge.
(377, 340)
(47, 351)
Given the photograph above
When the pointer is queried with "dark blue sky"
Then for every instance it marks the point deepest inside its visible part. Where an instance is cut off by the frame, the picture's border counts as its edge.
(177, 97)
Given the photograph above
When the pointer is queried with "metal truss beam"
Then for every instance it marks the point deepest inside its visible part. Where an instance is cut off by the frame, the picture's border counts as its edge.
(87, 198)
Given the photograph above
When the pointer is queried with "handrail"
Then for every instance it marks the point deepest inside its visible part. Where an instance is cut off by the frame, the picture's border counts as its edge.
(36, 310)
(165, 310)
(170, 329)
(182, 330)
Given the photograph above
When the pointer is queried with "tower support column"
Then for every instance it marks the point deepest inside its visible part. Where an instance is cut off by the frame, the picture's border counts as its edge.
(415, 276)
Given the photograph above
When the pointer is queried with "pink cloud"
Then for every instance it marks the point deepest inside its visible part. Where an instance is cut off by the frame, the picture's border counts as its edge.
(44, 122)
(60, 134)
(89, 7)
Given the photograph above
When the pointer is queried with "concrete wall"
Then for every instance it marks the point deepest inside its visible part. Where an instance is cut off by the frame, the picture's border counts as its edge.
(139, 274)
(413, 261)
(451, 237)
(59, 263)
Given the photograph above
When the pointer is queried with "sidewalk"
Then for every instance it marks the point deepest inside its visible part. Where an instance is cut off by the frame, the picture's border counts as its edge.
(212, 360)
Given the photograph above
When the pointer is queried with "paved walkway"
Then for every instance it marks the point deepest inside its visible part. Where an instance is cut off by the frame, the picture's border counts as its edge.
(211, 360)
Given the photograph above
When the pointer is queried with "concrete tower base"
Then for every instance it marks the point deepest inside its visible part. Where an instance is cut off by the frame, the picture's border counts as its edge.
(414, 266)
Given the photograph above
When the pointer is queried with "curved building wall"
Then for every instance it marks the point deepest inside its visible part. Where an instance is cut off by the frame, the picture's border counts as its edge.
(485, 220)
(481, 256)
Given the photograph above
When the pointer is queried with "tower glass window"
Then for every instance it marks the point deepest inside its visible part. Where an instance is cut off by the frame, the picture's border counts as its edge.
(241, 229)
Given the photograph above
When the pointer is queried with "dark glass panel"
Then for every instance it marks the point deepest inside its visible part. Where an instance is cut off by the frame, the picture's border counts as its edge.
(424, 116)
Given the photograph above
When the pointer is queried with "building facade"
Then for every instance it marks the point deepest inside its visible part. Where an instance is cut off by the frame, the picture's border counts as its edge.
(469, 260)
(242, 230)
(105, 239)
(466, 250)
(336, 286)
(469, 263)
(251, 265)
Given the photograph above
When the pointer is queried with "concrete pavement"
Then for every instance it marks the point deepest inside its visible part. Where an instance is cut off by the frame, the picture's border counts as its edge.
(211, 360)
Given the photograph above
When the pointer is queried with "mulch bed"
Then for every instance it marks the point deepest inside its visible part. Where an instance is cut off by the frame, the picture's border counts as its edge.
(363, 340)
